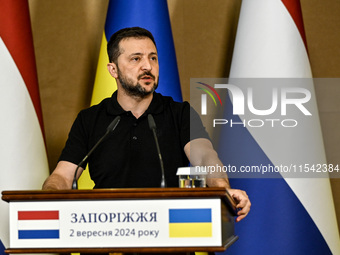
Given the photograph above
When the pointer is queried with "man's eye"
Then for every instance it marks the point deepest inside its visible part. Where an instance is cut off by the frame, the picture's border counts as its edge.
(154, 58)
(135, 59)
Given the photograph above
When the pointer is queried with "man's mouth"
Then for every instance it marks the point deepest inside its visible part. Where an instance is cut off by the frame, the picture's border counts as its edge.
(146, 77)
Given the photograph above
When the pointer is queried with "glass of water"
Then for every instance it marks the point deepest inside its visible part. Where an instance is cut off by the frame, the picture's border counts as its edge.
(191, 177)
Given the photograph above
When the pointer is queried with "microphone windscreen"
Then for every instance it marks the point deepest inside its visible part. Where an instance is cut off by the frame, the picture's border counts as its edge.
(151, 121)
(113, 124)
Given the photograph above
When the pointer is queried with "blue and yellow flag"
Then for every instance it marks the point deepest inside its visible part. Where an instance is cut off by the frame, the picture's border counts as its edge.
(190, 222)
(152, 15)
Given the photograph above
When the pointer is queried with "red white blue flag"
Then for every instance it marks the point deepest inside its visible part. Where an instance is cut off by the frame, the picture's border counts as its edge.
(23, 160)
(288, 215)
(38, 225)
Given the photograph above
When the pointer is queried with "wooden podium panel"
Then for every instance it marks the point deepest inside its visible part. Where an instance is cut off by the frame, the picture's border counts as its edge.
(120, 220)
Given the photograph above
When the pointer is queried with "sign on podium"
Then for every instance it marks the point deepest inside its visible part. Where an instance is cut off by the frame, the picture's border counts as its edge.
(120, 220)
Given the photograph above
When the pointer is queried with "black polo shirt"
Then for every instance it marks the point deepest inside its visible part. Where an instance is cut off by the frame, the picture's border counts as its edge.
(128, 157)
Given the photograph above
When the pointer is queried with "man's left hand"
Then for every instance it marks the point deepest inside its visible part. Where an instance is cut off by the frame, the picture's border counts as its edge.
(242, 202)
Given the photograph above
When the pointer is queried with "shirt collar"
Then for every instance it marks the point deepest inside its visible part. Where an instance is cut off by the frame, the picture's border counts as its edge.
(155, 107)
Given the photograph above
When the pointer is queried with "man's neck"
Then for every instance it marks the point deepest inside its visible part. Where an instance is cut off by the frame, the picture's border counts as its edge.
(136, 105)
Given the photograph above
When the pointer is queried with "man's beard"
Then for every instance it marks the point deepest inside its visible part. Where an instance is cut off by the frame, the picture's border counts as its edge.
(136, 90)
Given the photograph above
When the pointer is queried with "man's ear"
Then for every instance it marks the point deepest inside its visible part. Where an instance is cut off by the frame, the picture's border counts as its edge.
(112, 68)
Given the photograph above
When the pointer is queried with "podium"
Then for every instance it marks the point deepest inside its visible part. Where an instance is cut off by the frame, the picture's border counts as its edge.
(120, 220)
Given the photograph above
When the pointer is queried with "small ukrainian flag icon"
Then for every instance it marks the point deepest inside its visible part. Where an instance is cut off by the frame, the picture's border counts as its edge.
(190, 222)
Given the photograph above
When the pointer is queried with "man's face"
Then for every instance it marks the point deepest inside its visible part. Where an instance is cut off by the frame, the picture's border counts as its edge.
(138, 70)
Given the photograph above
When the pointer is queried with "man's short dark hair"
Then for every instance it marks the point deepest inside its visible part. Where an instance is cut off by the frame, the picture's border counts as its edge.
(113, 49)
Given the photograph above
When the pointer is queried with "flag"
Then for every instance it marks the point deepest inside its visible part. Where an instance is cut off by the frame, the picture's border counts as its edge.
(131, 13)
(38, 224)
(288, 215)
(104, 86)
(152, 15)
(2, 249)
(190, 222)
(22, 149)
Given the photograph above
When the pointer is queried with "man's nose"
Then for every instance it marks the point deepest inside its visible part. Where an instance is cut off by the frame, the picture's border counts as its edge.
(146, 65)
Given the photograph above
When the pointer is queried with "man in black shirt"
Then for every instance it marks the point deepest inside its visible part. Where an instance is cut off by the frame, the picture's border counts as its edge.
(128, 157)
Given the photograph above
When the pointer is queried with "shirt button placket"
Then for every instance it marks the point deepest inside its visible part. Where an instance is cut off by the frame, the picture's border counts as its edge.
(134, 137)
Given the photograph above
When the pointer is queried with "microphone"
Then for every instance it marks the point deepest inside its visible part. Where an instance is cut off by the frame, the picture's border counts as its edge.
(109, 129)
(152, 126)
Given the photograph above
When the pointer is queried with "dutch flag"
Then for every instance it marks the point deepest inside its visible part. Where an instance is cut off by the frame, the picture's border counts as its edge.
(38, 225)
(288, 215)
(23, 157)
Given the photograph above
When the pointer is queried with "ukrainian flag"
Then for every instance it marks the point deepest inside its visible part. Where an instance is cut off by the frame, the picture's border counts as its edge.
(152, 15)
(190, 222)
(130, 13)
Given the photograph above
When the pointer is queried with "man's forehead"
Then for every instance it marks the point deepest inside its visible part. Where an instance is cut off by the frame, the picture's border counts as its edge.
(131, 44)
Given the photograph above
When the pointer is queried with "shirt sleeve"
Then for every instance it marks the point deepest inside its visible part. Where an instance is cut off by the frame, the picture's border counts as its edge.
(191, 125)
(76, 145)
